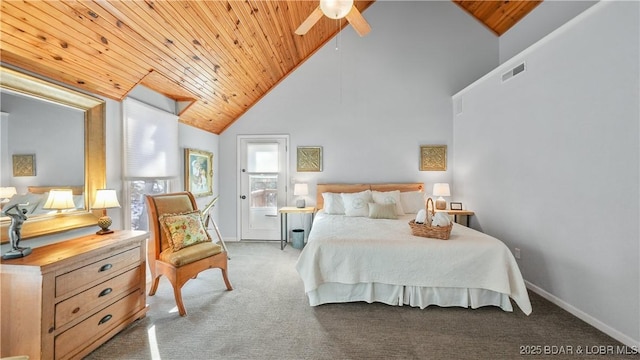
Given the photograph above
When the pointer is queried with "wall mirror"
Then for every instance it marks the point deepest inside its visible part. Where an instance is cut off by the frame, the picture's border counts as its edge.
(91, 114)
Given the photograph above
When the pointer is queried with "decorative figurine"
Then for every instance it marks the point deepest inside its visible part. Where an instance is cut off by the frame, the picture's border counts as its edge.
(18, 216)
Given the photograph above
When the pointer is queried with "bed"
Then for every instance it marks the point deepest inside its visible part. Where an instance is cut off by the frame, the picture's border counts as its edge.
(358, 258)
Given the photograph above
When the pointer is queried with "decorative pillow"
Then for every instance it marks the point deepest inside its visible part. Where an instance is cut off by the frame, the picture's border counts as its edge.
(389, 197)
(333, 203)
(382, 211)
(184, 229)
(412, 201)
(357, 204)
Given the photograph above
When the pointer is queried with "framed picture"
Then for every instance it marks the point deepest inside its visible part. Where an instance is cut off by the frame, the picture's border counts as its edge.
(455, 205)
(24, 165)
(198, 172)
(309, 158)
(433, 158)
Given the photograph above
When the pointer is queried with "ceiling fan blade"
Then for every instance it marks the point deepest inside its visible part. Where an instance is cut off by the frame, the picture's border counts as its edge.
(360, 25)
(308, 23)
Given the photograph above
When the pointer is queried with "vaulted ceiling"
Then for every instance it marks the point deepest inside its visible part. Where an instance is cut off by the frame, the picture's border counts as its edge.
(218, 58)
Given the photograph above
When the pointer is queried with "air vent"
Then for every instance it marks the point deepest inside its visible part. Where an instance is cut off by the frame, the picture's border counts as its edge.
(513, 72)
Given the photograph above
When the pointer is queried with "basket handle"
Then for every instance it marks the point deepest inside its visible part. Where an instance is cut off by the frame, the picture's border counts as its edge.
(430, 211)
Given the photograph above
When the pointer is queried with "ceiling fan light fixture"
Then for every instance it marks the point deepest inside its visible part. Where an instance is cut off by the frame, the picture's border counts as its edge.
(336, 9)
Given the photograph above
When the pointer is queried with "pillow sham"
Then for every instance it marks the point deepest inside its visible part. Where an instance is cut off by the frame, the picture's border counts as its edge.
(184, 229)
(412, 201)
(389, 197)
(333, 203)
(357, 204)
(382, 211)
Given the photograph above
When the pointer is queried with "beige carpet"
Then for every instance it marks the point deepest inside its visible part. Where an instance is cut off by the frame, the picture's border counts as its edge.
(267, 316)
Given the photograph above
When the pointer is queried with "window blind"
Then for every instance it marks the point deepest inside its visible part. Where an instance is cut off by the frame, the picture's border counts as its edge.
(151, 142)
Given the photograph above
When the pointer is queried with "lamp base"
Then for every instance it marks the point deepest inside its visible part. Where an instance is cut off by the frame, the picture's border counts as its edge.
(104, 223)
(441, 204)
(300, 203)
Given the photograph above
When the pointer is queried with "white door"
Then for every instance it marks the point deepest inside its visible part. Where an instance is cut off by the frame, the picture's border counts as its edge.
(263, 185)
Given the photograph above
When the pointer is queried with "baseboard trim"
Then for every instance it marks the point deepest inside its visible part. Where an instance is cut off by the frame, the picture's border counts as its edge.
(626, 340)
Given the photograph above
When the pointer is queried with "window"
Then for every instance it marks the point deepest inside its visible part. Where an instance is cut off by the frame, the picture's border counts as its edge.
(151, 157)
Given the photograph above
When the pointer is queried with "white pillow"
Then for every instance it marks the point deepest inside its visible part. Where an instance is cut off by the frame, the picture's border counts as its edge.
(333, 204)
(389, 197)
(412, 201)
(357, 204)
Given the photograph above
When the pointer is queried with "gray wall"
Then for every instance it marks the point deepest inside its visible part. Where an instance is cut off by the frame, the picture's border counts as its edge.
(549, 161)
(371, 104)
(540, 22)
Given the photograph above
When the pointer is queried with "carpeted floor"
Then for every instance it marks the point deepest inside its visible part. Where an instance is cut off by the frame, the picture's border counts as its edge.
(267, 316)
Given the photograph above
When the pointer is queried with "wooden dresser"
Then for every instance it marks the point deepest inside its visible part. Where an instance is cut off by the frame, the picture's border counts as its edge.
(66, 299)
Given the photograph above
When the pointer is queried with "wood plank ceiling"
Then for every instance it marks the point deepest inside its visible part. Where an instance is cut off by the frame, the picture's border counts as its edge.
(219, 57)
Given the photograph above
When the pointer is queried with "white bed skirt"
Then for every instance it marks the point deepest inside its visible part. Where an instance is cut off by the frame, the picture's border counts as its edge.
(415, 296)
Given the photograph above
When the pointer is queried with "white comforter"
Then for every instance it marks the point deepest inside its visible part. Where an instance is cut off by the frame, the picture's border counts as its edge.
(352, 250)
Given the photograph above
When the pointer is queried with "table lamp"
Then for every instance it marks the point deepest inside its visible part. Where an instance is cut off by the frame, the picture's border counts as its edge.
(440, 190)
(105, 199)
(59, 199)
(300, 190)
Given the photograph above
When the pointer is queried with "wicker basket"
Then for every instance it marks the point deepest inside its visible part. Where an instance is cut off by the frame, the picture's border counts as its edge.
(424, 230)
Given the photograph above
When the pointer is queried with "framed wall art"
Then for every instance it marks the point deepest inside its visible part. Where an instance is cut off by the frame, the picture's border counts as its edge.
(198, 172)
(24, 165)
(309, 158)
(433, 158)
(455, 205)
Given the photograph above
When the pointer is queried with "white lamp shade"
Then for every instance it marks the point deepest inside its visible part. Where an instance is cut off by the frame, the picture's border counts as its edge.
(59, 199)
(300, 189)
(106, 199)
(336, 9)
(441, 189)
(7, 192)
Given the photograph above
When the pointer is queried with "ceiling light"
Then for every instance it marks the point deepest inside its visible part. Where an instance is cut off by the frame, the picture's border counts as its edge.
(336, 9)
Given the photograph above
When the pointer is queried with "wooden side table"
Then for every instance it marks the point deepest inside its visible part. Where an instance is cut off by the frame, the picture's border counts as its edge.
(284, 228)
(459, 216)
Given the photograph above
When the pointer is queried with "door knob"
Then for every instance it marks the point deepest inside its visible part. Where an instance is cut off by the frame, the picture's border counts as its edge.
(242, 197)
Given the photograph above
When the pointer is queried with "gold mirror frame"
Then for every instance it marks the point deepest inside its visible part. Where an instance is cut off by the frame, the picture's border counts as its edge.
(94, 151)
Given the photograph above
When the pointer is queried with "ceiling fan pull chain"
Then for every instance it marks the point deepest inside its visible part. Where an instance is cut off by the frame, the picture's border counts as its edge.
(338, 36)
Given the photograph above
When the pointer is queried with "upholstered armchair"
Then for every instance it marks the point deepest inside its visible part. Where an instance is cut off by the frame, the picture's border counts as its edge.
(179, 246)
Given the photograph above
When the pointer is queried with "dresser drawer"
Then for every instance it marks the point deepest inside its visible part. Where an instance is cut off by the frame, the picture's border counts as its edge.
(91, 299)
(104, 268)
(78, 337)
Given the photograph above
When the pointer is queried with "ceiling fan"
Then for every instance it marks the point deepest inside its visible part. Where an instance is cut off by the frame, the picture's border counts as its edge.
(336, 9)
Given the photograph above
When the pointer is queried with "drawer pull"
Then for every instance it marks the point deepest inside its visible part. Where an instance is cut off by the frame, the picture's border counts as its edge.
(75, 311)
(105, 267)
(104, 292)
(105, 319)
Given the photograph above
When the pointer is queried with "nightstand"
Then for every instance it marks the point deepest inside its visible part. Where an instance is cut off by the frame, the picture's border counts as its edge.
(459, 216)
(284, 228)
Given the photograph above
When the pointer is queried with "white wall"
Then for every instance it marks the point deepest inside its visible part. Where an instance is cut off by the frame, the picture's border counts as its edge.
(541, 21)
(371, 104)
(550, 162)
